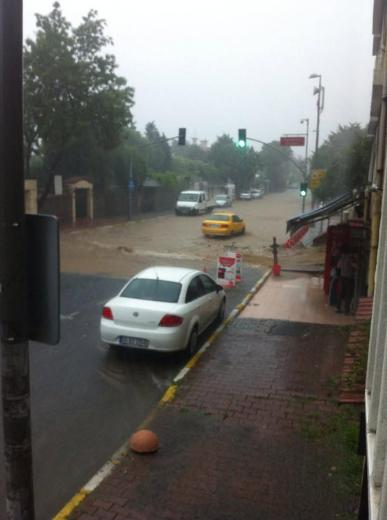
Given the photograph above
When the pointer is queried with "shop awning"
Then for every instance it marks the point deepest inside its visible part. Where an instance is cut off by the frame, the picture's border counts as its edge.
(340, 203)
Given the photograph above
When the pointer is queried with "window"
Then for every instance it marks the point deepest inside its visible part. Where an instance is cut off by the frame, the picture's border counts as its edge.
(188, 197)
(235, 218)
(195, 290)
(208, 284)
(152, 290)
(218, 217)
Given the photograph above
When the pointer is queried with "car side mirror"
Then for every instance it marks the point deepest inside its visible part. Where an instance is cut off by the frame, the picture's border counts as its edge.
(219, 288)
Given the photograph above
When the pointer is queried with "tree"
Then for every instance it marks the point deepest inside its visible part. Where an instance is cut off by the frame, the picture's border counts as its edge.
(75, 103)
(276, 164)
(345, 155)
(232, 163)
(191, 151)
(159, 156)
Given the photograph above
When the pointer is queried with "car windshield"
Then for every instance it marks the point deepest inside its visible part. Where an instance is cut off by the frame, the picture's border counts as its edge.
(221, 197)
(188, 197)
(152, 290)
(217, 216)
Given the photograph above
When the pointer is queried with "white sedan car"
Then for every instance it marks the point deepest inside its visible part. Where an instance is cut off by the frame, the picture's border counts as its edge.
(163, 308)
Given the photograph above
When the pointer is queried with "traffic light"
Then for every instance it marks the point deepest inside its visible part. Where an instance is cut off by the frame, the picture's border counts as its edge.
(303, 189)
(242, 138)
(181, 139)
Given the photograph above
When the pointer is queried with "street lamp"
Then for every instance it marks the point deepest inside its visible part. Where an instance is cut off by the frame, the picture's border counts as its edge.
(320, 91)
(306, 120)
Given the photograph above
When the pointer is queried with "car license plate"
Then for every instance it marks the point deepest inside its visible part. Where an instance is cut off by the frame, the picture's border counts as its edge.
(134, 342)
(214, 225)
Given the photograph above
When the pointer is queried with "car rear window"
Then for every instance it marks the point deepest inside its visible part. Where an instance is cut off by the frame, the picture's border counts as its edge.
(221, 197)
(152, 290)
(222, 218)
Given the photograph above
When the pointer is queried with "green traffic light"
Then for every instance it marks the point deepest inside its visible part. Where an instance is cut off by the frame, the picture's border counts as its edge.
(241, 143)
(303, 193)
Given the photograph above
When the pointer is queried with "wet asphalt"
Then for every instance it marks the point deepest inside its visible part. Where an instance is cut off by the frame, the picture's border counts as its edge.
(87, 399)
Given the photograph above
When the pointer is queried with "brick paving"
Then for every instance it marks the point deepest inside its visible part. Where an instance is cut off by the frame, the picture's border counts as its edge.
(354, 367)
(232, 441)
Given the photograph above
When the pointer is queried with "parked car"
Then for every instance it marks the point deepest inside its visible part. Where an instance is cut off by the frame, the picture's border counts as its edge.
(256, 193)
(223, 223)
(164, 309)
(193, 203)
(223, 201)
(245, 195)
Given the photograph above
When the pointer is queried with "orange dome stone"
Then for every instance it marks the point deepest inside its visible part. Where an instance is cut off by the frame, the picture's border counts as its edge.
(144, 441)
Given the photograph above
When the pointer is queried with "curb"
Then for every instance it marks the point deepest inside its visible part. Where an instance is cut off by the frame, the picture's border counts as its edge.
(167, 397)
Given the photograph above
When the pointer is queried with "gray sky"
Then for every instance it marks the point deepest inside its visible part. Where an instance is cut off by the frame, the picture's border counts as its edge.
(214, 66)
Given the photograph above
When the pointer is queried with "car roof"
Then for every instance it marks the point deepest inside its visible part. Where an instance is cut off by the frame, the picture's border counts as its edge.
(166, 273)
(223, 213)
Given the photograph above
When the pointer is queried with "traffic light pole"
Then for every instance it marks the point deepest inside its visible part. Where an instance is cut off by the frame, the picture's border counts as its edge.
(13, 283)
(278, 151)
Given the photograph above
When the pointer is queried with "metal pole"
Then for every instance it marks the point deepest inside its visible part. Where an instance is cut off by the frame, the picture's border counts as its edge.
(306, 148)
(318, 115)
(306, 161)
(13, 291)
(130, 184)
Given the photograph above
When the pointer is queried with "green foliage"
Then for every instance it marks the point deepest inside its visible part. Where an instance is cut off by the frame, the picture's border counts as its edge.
(191, 151)
(172, 180)
(345, 155)
(194, 169)
(75, 103)
(158, 154)
(232, 163)
(275, 160)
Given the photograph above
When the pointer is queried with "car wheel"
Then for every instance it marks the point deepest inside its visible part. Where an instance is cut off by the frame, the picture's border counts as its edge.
(221, 312)
(193, 342)
(243, 231)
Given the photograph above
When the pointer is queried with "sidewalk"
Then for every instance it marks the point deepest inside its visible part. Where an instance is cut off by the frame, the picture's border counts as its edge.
(235, 432)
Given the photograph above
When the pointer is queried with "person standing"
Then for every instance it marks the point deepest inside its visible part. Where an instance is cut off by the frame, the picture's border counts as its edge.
(346, 267)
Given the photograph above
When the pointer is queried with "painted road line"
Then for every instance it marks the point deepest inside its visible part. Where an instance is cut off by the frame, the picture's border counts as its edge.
(168, 396)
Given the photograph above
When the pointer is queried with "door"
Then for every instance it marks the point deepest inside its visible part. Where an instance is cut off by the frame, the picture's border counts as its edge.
(198, 302)
(237, 224)
(81, 203)
(210, 288)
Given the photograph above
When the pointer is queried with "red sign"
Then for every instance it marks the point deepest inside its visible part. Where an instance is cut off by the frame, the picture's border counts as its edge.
(226, 261)
(295, 140)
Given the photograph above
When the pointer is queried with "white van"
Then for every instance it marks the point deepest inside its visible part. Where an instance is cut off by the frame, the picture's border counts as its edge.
(193, 203)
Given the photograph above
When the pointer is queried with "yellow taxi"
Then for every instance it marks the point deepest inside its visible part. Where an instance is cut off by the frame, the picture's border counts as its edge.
(223, 223)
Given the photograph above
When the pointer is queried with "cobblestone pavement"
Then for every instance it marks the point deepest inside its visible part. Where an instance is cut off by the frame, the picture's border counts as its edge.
(233, 443)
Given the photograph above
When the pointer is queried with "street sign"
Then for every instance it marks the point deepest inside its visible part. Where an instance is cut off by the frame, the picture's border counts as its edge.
(292, 140)
(316, 178)
(43, 297)
(226, 271)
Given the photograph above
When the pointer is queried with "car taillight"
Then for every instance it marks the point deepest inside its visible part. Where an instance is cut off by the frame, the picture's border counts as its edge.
(107, 313)
(170, 320)
(224, 226)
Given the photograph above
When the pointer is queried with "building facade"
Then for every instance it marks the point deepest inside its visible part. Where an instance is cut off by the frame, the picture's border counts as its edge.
(375, 475)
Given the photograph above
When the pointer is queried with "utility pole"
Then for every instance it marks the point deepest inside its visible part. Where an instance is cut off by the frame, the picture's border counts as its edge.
(318, 114)
(320, 91)
(14, 345)
(130, 187)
